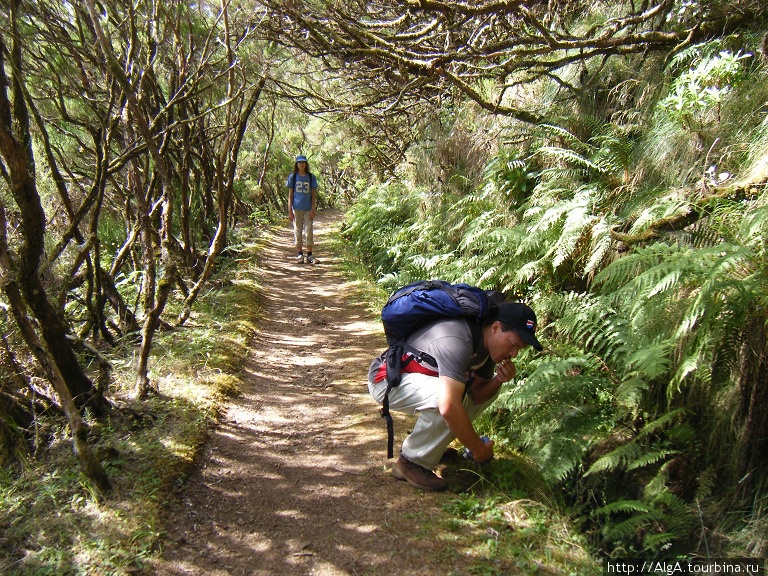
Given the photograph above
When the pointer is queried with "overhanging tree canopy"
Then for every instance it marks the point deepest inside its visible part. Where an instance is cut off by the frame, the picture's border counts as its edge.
(395, 52)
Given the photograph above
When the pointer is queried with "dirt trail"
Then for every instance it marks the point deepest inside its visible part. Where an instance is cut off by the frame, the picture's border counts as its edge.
(295, 479)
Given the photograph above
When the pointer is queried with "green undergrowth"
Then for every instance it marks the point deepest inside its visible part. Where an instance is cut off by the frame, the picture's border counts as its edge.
(53, 522)
(371, 295)
(507, 523)
(503, 520)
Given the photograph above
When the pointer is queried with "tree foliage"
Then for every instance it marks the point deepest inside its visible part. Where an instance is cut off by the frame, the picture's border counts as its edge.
(122, 126)
(397, 55)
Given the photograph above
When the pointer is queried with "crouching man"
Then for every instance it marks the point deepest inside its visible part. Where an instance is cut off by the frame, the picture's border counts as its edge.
(450, 393)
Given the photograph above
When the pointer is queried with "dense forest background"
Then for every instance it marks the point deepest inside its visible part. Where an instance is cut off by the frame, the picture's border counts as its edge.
(605, 162)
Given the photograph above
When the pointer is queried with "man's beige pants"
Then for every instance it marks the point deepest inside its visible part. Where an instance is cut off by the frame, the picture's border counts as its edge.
(417, 394)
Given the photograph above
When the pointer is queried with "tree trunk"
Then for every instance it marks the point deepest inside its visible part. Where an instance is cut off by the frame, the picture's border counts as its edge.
(226, 174)
(14, 414)
(18, 156)
(753, 384)
(89, 463)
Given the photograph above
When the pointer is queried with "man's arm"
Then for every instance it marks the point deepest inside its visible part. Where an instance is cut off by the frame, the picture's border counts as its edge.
(449, 402)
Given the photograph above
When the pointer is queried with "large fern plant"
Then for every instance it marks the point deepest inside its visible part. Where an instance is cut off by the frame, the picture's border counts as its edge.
(647, 405)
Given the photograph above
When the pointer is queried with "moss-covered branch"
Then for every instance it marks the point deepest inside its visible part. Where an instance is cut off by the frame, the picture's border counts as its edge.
(697, 210)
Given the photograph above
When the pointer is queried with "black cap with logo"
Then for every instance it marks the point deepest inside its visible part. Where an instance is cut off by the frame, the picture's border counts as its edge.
(521, 319)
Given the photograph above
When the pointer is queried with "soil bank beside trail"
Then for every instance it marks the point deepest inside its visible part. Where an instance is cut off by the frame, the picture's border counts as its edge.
(294, 479)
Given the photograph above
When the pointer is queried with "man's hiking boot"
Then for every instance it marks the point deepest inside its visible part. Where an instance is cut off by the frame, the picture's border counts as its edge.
(417, 476)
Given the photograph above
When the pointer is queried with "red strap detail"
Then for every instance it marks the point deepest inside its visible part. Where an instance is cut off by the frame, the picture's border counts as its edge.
(411, 367)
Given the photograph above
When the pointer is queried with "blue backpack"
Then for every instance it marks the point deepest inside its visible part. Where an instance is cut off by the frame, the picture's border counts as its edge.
(423, 302)
(417, 305)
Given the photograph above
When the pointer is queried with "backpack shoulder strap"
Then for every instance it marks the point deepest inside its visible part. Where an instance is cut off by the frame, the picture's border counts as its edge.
(477, 332)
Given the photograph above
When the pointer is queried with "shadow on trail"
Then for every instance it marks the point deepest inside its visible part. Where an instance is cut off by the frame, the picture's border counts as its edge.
(295, 479)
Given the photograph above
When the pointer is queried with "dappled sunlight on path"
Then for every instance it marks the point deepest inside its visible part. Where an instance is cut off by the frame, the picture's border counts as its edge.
(295, 479)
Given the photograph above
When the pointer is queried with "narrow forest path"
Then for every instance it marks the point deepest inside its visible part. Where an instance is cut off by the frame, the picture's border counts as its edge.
(295, 478)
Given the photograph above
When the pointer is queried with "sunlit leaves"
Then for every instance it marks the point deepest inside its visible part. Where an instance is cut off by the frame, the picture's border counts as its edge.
(696, 93)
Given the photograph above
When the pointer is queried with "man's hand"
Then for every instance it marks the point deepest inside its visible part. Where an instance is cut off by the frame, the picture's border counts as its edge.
(505, 371)
(485, 453)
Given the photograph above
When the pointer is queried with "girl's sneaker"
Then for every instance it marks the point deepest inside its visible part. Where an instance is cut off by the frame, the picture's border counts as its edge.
(310, 259)
(300, 259)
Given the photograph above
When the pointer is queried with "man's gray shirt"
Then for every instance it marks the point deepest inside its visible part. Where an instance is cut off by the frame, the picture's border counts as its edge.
(449, 342)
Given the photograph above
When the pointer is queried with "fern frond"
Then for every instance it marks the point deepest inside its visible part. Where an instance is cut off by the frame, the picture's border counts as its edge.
(707, 481)
(615, 459)
(592, 322)
(662, 421)
(690, 54)
(623, 272)
(578, 222)
(600, 245)
(629, 392)
(631, 527)
(560, 457)
(621, 506)
(562, 133)
(633, 455)
(650, 361)
(569, 156)
(660, 209)
(755, 226)
(563, 175)
(678, 516)
(657, 542)
(649, 458)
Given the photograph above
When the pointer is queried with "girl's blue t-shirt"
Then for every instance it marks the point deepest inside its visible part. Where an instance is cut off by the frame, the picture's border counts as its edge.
(302, 194)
